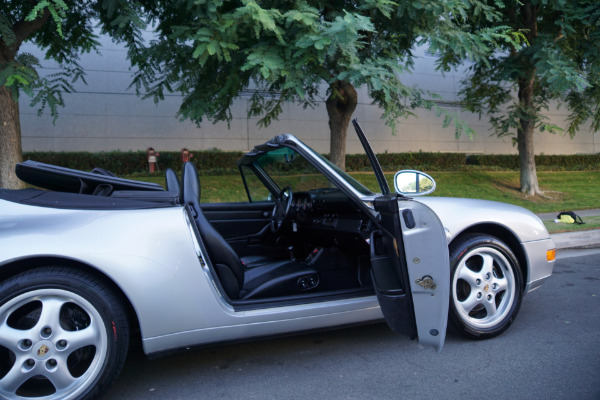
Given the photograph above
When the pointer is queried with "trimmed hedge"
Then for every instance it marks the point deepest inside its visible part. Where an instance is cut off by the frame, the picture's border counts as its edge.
(215, 162)
(572, 162)
(398, 161)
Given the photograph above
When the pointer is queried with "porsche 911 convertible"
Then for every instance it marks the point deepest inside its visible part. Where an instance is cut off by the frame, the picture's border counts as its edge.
(90, 262)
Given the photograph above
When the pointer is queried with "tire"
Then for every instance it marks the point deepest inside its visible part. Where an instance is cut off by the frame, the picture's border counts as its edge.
(63, 335)
(486, 286)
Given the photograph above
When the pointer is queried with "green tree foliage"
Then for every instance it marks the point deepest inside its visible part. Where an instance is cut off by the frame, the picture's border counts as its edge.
(302, 51)
(63, 29)
(558, 63)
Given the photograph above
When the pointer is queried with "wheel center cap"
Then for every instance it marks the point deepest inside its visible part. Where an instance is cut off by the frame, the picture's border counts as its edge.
(486, 288)
(43, 350)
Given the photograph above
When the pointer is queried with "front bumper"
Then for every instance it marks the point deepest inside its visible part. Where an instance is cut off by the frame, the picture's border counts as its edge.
(538, 267)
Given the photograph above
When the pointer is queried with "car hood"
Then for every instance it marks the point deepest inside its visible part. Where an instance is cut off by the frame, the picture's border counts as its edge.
(459, 214)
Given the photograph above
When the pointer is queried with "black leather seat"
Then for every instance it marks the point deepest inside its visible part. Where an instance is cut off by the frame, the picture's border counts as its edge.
(264, 277)
(172, 182)
(255, 261)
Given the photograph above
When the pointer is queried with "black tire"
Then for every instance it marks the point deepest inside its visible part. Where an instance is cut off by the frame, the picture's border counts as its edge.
(63, 335)
(486, 286)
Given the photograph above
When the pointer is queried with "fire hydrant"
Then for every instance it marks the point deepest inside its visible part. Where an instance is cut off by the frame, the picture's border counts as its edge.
(152, 159)
(186, 155)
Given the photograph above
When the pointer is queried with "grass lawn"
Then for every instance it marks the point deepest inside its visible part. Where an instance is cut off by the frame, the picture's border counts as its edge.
(564, 190)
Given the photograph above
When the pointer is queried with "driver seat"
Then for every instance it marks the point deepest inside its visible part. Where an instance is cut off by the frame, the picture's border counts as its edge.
(267, 279)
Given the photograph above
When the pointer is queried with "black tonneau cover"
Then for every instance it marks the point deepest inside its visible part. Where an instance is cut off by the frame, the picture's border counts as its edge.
(74, 201)
(69, 180)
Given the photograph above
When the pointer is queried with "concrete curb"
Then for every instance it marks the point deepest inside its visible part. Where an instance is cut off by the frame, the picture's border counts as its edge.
(570, 240)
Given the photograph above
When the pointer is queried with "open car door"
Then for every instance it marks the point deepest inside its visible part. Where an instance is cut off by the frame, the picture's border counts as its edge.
(410, 263)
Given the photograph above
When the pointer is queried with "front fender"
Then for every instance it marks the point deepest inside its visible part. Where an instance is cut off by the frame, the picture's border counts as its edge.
(528, 235)
(458, 215)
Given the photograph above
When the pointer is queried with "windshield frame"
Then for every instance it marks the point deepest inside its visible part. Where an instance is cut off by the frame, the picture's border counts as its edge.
(338, 177)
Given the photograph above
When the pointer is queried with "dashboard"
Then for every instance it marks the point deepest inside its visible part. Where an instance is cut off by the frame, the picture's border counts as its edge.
(329, 217)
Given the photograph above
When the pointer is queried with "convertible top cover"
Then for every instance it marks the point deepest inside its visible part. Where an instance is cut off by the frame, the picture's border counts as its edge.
(97, 190)
(63, 179)
(74, 201)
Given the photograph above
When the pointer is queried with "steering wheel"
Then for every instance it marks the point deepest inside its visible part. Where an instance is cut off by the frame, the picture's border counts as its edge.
(282, 210)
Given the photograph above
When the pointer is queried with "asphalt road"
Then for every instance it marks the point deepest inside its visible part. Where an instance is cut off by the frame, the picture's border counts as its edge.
(552, 351)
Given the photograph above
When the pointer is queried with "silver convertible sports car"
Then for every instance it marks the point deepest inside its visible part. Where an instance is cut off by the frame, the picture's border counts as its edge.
(90, 262)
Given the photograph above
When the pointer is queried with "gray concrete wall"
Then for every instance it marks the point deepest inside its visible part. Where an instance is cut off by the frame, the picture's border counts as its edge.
(105, 115)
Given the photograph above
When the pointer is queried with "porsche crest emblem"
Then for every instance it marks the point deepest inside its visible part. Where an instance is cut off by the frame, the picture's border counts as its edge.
(42, 350)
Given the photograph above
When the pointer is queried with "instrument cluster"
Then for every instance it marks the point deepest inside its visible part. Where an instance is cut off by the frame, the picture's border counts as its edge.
(302, 203)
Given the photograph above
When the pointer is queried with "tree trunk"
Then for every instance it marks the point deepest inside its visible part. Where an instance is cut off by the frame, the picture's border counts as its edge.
(10, 125)
(340, 107)
(529, 181)
(10, 140)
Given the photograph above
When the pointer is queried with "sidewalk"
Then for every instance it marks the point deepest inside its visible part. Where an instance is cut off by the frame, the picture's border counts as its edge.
(569, 240)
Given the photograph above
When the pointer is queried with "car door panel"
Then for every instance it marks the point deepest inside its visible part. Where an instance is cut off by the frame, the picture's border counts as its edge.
(410, 267)
(394, 300)
(427, 260)
(246, 227)
(235, 221)
(414, 240)
(389, 269)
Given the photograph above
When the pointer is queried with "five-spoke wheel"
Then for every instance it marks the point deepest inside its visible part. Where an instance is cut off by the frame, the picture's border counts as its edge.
(63, 335)
(486, 286)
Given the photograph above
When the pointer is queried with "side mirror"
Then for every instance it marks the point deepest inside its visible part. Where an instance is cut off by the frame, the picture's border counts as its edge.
(413, 183)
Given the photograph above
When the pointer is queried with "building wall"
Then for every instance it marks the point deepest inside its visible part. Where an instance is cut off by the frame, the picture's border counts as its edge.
(105, 115)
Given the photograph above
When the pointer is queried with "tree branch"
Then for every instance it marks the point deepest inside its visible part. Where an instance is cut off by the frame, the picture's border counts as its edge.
(23, 29)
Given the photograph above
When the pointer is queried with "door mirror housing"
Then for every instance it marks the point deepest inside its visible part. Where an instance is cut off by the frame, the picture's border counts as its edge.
(413, 183)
